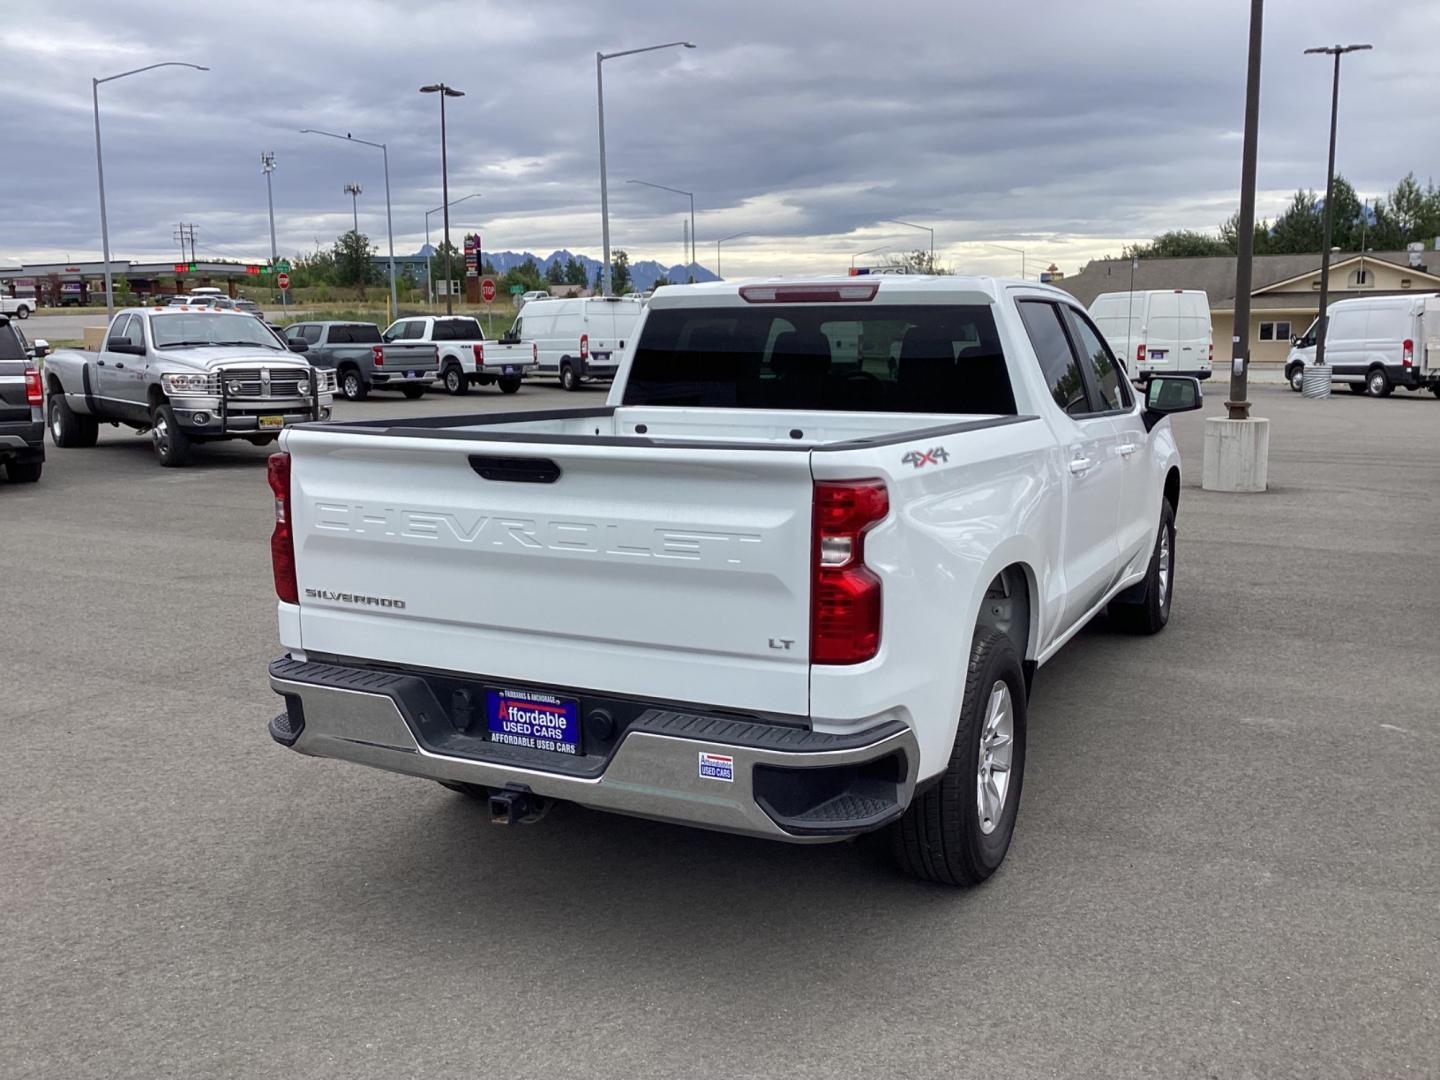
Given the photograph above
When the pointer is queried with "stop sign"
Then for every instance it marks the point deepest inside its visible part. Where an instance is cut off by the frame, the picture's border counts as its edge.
(487, 289)
(283, 280)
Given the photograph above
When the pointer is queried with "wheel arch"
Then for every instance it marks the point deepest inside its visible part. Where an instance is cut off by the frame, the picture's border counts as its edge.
(1172, 488)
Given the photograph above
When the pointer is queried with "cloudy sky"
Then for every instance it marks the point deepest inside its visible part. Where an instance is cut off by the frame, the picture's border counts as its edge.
(1062, 127)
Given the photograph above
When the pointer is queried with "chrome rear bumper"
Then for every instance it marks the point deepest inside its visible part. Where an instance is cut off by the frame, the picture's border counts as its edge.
(866, 780)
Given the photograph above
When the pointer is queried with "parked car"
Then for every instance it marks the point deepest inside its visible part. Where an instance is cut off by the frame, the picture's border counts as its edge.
(467, 358)
(249, 307)
(363, 361)
(533, 294)
(1158, 331)
(22, 420)
(187, 376)
(1374, 344)
(771, 588)
(22, 307)
(581, 338)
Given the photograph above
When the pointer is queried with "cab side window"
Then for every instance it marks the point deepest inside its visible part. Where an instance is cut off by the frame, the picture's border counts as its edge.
(1057, 361)
(312, 333)
(1106, 375)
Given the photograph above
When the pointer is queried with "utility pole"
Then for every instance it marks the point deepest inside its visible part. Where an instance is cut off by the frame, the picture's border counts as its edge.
(1336, 51)
(354, 190)
(267, 166)
(1239, 406)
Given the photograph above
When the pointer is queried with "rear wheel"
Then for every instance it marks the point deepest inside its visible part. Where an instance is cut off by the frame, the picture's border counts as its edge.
(569, 377)
(26, 472)
(172, 445)
(1149, 611)
(957, 832)
(353, 386)
(414, 393)
(1377, 383)
(455, 380)
(509, 384)
(68, 428)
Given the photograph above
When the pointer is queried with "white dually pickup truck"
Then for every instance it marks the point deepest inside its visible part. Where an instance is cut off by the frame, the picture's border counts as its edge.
(792, 581)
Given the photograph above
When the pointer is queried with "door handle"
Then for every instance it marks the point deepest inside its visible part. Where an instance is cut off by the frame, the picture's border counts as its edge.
(120, 367)
(101, 363)
(1080, 465)
(1126, 449)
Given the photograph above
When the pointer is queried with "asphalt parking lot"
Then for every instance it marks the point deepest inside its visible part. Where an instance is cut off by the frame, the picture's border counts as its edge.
(1226, 864)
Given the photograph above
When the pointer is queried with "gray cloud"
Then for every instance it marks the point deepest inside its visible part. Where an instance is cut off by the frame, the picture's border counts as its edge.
(1065, 128)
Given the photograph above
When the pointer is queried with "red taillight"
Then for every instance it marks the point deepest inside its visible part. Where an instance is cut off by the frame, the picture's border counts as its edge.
(844, 592)
(1407, 355)
(809, 294)
(34, 393)
(584, 346)
(282, 541)
(378, 352)
(479, 351)
(1140, 353)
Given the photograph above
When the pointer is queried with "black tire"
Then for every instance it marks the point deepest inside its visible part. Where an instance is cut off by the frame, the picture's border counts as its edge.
(1296, 378)
(414, 393)
(23, 312)
(1145, 608)
(1377, 383)
(470, 791)
(569, 377)
(68, 428)
(455, 381)
(23, 472)
(509, 384)
(942, 835)
(353, 385)
(172, 445)
(1358, 388)
(261, 440)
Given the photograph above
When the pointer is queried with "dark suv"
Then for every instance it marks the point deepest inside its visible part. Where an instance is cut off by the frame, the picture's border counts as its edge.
(22, 406)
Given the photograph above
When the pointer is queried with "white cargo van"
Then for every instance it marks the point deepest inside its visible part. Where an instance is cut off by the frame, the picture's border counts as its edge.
(578, 338)
(1376, 343)
(1158, 331)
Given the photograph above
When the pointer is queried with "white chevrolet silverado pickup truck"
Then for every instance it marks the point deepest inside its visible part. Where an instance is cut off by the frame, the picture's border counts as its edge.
(792, 581)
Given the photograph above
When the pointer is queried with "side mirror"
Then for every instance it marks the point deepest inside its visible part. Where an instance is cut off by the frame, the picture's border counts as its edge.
(1294, 339)
(123, 345)
(299, 345)
(42, 348)
(1166, 394)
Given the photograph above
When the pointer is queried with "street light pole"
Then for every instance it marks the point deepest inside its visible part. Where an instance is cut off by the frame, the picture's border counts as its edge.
(267, 166)
(389, 222)
(922, 228)
(100, 169)
(600, 59)
(1017, 251)
(689, 269)
(733, 236)
(1238, 407)
(868, 251)
(430, 295)
(1336, 51)
(444, 92)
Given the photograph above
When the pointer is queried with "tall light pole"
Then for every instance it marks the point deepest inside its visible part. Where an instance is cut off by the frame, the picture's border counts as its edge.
(867, 251)
(1018, 251)
(600, 59)
(389, 223)
(445, 92)
(452, 202)
(100, 169)
(689, 269)
(267, 166)
(723, 239)
(1336, 51)
(354, 190)
(922, 228)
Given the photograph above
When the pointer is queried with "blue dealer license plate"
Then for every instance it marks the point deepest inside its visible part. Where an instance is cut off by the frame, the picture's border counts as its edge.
(537, 720)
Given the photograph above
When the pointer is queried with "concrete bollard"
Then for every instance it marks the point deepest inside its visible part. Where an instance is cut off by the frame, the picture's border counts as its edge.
(1237, 454)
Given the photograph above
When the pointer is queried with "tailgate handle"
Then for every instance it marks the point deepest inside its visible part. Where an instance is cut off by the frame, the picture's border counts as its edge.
(519, 470)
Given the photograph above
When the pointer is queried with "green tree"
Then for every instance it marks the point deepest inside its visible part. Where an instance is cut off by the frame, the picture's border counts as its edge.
(620, 273)
(1230, 235)
(555, 273)
(437, 263)
(316, 268)
(1179, 244)
(660, 281)
(527, 275)
(920, 261)
(1298, 228)
(353, 265)
(574, 272)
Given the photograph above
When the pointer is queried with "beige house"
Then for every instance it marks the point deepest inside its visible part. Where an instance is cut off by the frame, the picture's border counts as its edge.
(1285, 297)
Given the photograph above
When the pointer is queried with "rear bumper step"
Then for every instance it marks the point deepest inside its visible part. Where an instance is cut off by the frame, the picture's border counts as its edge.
(786, 783)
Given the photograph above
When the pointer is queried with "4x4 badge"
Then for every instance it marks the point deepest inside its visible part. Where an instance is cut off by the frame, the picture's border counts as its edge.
(934, 456)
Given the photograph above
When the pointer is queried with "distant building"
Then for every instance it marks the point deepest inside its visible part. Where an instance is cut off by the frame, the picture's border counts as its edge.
(1285, 297)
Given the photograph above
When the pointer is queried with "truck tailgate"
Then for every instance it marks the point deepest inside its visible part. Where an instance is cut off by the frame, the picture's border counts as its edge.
(673, 574)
